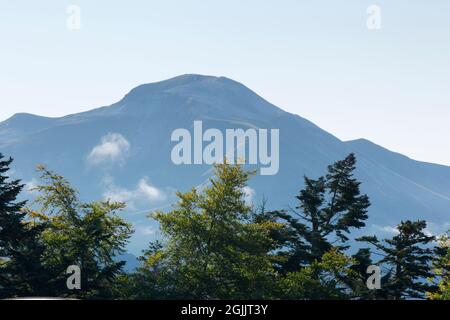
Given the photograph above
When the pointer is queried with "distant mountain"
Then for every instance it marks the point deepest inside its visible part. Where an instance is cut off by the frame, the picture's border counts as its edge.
(123, 152)
(131, 262)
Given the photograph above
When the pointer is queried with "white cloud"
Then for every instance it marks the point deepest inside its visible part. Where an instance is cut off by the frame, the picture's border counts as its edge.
(431, 230)
(30, 186)
(113, 148)
(390, 229)
(144, 193)
(116, 193)
(149, 191)
(386, 229)
(146, 230)
(437, 229)
(428, 233)
(249, 194)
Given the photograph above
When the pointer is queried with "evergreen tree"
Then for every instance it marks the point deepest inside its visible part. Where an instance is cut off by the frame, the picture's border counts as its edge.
(358, 281)
(329, 207)
(408, 258)
(21, 271)
(88, 235)
(213, 247)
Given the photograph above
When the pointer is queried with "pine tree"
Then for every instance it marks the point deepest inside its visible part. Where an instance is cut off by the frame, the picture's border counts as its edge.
(329, 208)
(407, 256)
(21, 271)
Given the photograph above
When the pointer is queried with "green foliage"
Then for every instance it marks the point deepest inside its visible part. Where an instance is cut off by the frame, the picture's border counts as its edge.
(213, 247)
(357, 283)
(324, 279)
(89, 235)
(21, 271)
(150, 281)
(408, 257)
(329, 207)
(441, 268)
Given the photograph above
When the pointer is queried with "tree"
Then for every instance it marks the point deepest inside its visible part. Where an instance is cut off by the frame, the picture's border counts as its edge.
(151, 280)
(213, 247)
(357, 283)
(329, 207)
(21, 271)
(323, 279)
(441, 269)
(407, 256)
(87, 235)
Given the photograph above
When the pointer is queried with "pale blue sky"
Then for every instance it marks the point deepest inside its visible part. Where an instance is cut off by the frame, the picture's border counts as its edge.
(315, 58)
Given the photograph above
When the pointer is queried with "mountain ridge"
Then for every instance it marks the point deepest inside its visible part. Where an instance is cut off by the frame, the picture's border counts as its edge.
(144, 118)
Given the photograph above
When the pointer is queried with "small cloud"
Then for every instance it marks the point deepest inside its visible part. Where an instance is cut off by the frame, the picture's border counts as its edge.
(437, 229)
(115, 193)
(386, 229)
(390, 229)
(147, 190)
(113, 148)
(428, 233)
(249, 194)
(146, 230)
(144, 193)
(29, 187)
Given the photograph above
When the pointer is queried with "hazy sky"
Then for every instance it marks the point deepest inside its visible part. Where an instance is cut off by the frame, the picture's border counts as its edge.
(314, 58)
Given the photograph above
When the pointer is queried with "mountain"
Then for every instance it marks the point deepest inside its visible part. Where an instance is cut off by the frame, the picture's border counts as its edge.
(131, 262)
(123, 152)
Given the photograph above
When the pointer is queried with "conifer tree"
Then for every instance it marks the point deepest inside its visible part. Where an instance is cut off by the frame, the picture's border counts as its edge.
(357, 283)
(407, 256)
(328, 209)
(21, 271)
(87, 235)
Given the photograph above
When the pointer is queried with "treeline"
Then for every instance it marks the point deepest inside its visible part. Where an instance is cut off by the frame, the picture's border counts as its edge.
(216, 246)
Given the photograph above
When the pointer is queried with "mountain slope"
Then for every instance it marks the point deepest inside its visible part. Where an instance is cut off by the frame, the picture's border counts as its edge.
(142, 123)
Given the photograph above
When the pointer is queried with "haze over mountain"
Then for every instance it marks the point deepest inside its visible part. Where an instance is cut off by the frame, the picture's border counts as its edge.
(122, 152)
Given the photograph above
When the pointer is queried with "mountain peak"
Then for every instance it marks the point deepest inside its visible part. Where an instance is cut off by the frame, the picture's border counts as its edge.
(200, 93)
(182, 80)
